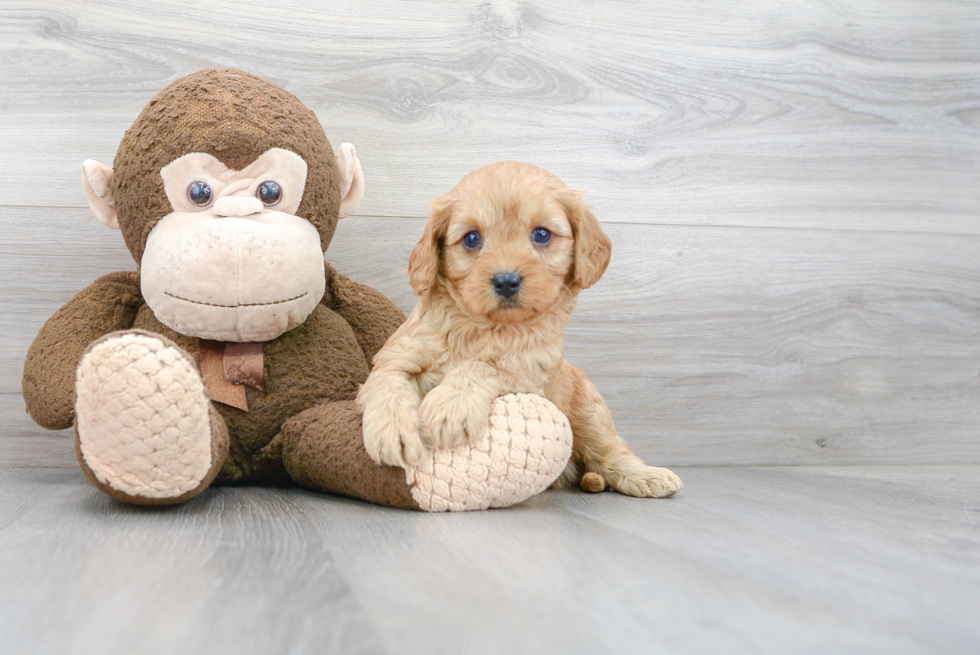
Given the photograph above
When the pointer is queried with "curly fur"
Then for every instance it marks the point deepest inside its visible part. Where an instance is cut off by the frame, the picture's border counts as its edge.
(463, 346)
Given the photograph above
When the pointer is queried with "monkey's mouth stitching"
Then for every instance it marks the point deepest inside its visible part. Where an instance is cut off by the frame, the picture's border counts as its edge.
(250, 304)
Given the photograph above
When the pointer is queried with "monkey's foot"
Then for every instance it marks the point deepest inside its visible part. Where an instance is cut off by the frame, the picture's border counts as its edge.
(524, 449)
(145, 430)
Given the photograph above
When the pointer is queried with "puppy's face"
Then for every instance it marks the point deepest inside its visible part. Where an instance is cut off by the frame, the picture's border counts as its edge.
(510, 243)
(506, 253)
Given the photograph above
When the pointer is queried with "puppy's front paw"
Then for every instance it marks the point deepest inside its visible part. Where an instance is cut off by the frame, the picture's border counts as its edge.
(392, 438)
(645, 482)
(450, 416)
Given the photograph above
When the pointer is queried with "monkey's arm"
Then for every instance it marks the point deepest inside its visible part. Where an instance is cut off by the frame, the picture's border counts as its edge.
(108, 304)
(373, 317)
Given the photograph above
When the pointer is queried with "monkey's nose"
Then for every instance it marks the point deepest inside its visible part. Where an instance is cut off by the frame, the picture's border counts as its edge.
(506, 285)
(237, 206)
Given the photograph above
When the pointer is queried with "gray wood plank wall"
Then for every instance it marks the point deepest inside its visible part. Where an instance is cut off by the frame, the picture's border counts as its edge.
(792, 189)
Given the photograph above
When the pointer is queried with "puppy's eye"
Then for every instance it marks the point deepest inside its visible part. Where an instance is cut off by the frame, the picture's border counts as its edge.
(199, 193)
(269, 193)
(541, 235)
(472, 240)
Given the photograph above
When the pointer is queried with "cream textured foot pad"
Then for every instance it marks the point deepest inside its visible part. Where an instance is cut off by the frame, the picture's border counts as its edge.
(143, 417)
(524, 449)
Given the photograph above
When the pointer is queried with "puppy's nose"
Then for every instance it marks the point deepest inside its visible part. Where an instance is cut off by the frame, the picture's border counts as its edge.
(506, 284)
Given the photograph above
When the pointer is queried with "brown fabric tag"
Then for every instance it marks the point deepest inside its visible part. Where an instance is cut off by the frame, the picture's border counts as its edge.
(245, 364)
(213, 373)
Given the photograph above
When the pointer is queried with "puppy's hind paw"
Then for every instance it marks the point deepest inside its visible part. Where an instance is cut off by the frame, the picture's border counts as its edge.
(645, 482)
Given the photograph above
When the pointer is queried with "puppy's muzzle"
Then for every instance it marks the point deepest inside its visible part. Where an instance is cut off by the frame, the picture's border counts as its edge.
(506, 285)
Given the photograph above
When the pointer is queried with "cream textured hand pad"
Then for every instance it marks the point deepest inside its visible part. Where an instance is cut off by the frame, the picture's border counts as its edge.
(524, 449)
(142, 417)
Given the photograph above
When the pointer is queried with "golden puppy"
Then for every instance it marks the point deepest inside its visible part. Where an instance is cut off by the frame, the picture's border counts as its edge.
(497, 270)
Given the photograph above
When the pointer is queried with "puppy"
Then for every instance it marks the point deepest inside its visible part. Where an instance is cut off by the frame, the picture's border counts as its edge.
(497, 271)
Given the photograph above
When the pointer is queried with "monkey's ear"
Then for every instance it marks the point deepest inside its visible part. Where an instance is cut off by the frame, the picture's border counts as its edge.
(423, 265)
(351, 179)
(98, 184)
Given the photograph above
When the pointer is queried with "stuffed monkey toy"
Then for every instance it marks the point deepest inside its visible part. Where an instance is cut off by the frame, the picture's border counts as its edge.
(234, 352)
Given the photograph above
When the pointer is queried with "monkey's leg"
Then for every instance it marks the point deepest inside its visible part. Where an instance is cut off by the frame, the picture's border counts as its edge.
(108, 304)
(145, 431)
(525, 448)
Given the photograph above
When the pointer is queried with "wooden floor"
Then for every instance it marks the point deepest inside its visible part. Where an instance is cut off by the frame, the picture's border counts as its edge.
(744, 560)
(792, 193)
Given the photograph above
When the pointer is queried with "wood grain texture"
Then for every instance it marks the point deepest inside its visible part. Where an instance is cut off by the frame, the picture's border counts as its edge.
(153, 582)
(710, 345)
(744, 560)
(791, 189)
(858, 115)
(23, 444)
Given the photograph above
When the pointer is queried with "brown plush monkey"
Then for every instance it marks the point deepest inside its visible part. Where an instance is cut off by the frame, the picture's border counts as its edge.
(234, 352)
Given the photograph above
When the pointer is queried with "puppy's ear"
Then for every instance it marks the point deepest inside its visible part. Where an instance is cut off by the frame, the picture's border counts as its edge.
(423, 265)
(592, 245)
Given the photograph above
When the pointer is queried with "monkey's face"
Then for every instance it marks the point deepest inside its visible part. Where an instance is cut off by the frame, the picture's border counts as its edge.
(233, 262)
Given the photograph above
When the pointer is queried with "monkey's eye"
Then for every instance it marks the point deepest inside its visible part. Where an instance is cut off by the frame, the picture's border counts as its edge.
(472, 240)
(270, 193)
(199, 193)
(541, 235)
